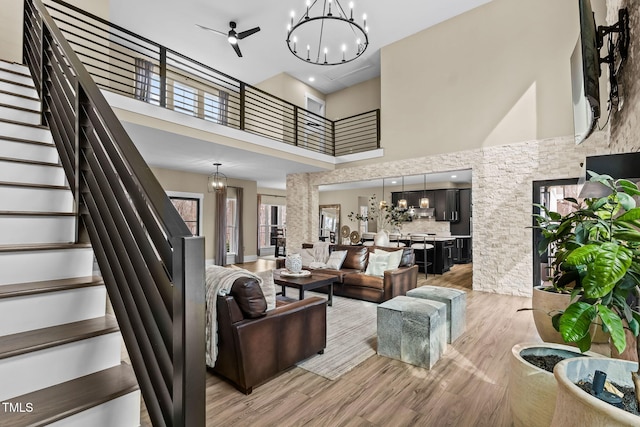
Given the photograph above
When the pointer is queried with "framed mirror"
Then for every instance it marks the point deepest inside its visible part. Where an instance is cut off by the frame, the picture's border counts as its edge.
(329, 223)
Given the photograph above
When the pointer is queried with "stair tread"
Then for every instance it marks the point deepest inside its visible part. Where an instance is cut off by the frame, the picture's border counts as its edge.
(26, 141)
(17, 73)
(15, 107)
(20, 95)
(30, 162)
(31, 86)
(63, 400)
(26, 184)
(31, 288)
(30, 125)
(35, 213)
(42, 247)
(39, 339)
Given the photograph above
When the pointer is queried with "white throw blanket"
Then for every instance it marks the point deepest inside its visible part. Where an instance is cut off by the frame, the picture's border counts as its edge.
(218, 279)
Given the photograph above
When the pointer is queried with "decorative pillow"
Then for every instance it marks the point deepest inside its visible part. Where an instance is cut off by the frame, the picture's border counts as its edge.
(249, 297)
(336, 259)
(377, 263)
(394, 258)
(307, 256)
(268, 288)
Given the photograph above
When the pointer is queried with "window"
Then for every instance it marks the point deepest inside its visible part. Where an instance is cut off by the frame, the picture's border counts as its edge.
(154, 90)
(232, 222)
(184, 99)
(189, 206)
(216, 107)
(272, 214)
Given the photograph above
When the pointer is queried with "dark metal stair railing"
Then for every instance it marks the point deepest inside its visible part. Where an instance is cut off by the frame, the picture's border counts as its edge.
(152, 267)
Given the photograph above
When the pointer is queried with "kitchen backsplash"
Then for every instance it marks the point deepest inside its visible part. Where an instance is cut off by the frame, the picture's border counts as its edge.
(426, 226)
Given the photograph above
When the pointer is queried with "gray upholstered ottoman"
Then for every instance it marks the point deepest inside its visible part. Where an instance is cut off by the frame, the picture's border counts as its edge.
(412, 330)
(456, 301)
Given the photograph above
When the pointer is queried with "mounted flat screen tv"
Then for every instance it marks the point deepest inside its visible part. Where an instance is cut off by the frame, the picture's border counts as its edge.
(585, 75)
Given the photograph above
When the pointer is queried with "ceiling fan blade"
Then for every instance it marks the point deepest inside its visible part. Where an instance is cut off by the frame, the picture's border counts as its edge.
(237, 49)
(212, 30)
(247, 33)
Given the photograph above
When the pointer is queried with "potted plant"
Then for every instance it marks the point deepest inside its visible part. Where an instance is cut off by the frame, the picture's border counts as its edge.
(599, 248)
(385, 216)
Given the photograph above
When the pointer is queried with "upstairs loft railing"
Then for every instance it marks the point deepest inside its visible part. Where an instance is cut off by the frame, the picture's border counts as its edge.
(153, 269)
(128, 64)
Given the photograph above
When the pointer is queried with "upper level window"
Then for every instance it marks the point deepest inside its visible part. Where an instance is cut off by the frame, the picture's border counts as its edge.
(184, 99)
(216, 107)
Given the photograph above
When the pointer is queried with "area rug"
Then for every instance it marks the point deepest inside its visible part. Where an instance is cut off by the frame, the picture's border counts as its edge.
(351, 337)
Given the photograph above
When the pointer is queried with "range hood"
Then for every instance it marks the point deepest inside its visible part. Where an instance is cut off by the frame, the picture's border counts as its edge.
(421, 212)
(618, 166)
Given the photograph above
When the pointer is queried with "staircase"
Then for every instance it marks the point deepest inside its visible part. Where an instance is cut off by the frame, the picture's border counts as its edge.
(60, 352)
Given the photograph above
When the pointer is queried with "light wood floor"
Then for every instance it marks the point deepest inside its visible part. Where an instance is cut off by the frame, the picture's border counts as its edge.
(467, 387)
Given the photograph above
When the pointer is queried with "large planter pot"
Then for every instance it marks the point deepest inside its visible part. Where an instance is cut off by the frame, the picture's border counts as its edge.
(532, 390)
(575, 407)
(545, 305)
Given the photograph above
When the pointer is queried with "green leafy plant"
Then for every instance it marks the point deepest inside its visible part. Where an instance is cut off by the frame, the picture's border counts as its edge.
(598, 248)
(385, 216)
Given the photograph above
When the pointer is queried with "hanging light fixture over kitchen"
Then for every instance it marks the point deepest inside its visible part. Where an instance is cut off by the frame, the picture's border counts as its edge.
(383, 202)
(424, 200)
(402, 203)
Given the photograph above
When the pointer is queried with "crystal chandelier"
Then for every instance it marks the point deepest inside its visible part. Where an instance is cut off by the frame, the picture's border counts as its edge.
(326, 34)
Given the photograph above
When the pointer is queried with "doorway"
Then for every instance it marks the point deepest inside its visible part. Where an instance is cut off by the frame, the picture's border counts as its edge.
(314, 127)
(551, 194)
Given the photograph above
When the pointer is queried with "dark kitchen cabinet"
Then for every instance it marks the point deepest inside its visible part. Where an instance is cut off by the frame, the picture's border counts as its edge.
(462, 250)
(441, 256)
(413, 198)
(447, 204)
(463, 226)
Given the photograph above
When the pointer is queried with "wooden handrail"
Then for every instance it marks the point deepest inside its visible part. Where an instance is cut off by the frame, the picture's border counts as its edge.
(152, 267)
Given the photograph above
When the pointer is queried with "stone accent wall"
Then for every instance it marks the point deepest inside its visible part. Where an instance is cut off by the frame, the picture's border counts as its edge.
(502, 190)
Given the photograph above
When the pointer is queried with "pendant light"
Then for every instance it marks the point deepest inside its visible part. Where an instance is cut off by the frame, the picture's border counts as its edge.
(217, 182)
(424, 200)
(402, 203)
(383, 202)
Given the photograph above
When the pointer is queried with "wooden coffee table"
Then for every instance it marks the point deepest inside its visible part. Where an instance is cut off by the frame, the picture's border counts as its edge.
(305, 283)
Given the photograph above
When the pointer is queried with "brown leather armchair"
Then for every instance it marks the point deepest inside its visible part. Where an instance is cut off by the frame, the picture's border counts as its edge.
(250, 351)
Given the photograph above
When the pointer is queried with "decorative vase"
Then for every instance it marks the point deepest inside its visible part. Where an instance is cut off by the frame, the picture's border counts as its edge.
(293, 263)
(381, 238)
(532, 390)
(576, 407)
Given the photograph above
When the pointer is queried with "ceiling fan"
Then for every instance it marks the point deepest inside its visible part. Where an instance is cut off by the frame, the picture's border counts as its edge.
(232, 36)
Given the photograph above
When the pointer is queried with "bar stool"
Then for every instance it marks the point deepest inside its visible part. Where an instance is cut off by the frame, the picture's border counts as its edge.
(394, 240)
(419, 243)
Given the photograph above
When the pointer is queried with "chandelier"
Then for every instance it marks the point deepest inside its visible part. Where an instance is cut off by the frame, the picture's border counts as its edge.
(326, 34)
(217, 181)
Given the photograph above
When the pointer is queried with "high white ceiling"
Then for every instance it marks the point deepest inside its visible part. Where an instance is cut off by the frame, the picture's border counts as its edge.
(265, 54)
(173, 23)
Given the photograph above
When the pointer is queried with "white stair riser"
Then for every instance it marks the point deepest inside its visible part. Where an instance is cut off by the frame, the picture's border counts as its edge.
(39, 369)
(122, 412)
(35, 199)
(36, 229)
(31, 173)
(17, 89)
(21, 68)
(27, 151)
(35, 266)
(8, 113)
(21, 314)
(15, 130)
(25, 80)
(19, 101)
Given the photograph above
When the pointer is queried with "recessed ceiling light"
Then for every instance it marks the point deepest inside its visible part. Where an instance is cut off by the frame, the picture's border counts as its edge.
(454, 176)
(312, 79)
(394, 182)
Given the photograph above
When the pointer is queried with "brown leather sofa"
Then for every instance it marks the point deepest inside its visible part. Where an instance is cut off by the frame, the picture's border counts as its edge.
(253, 349)
(354, 283)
